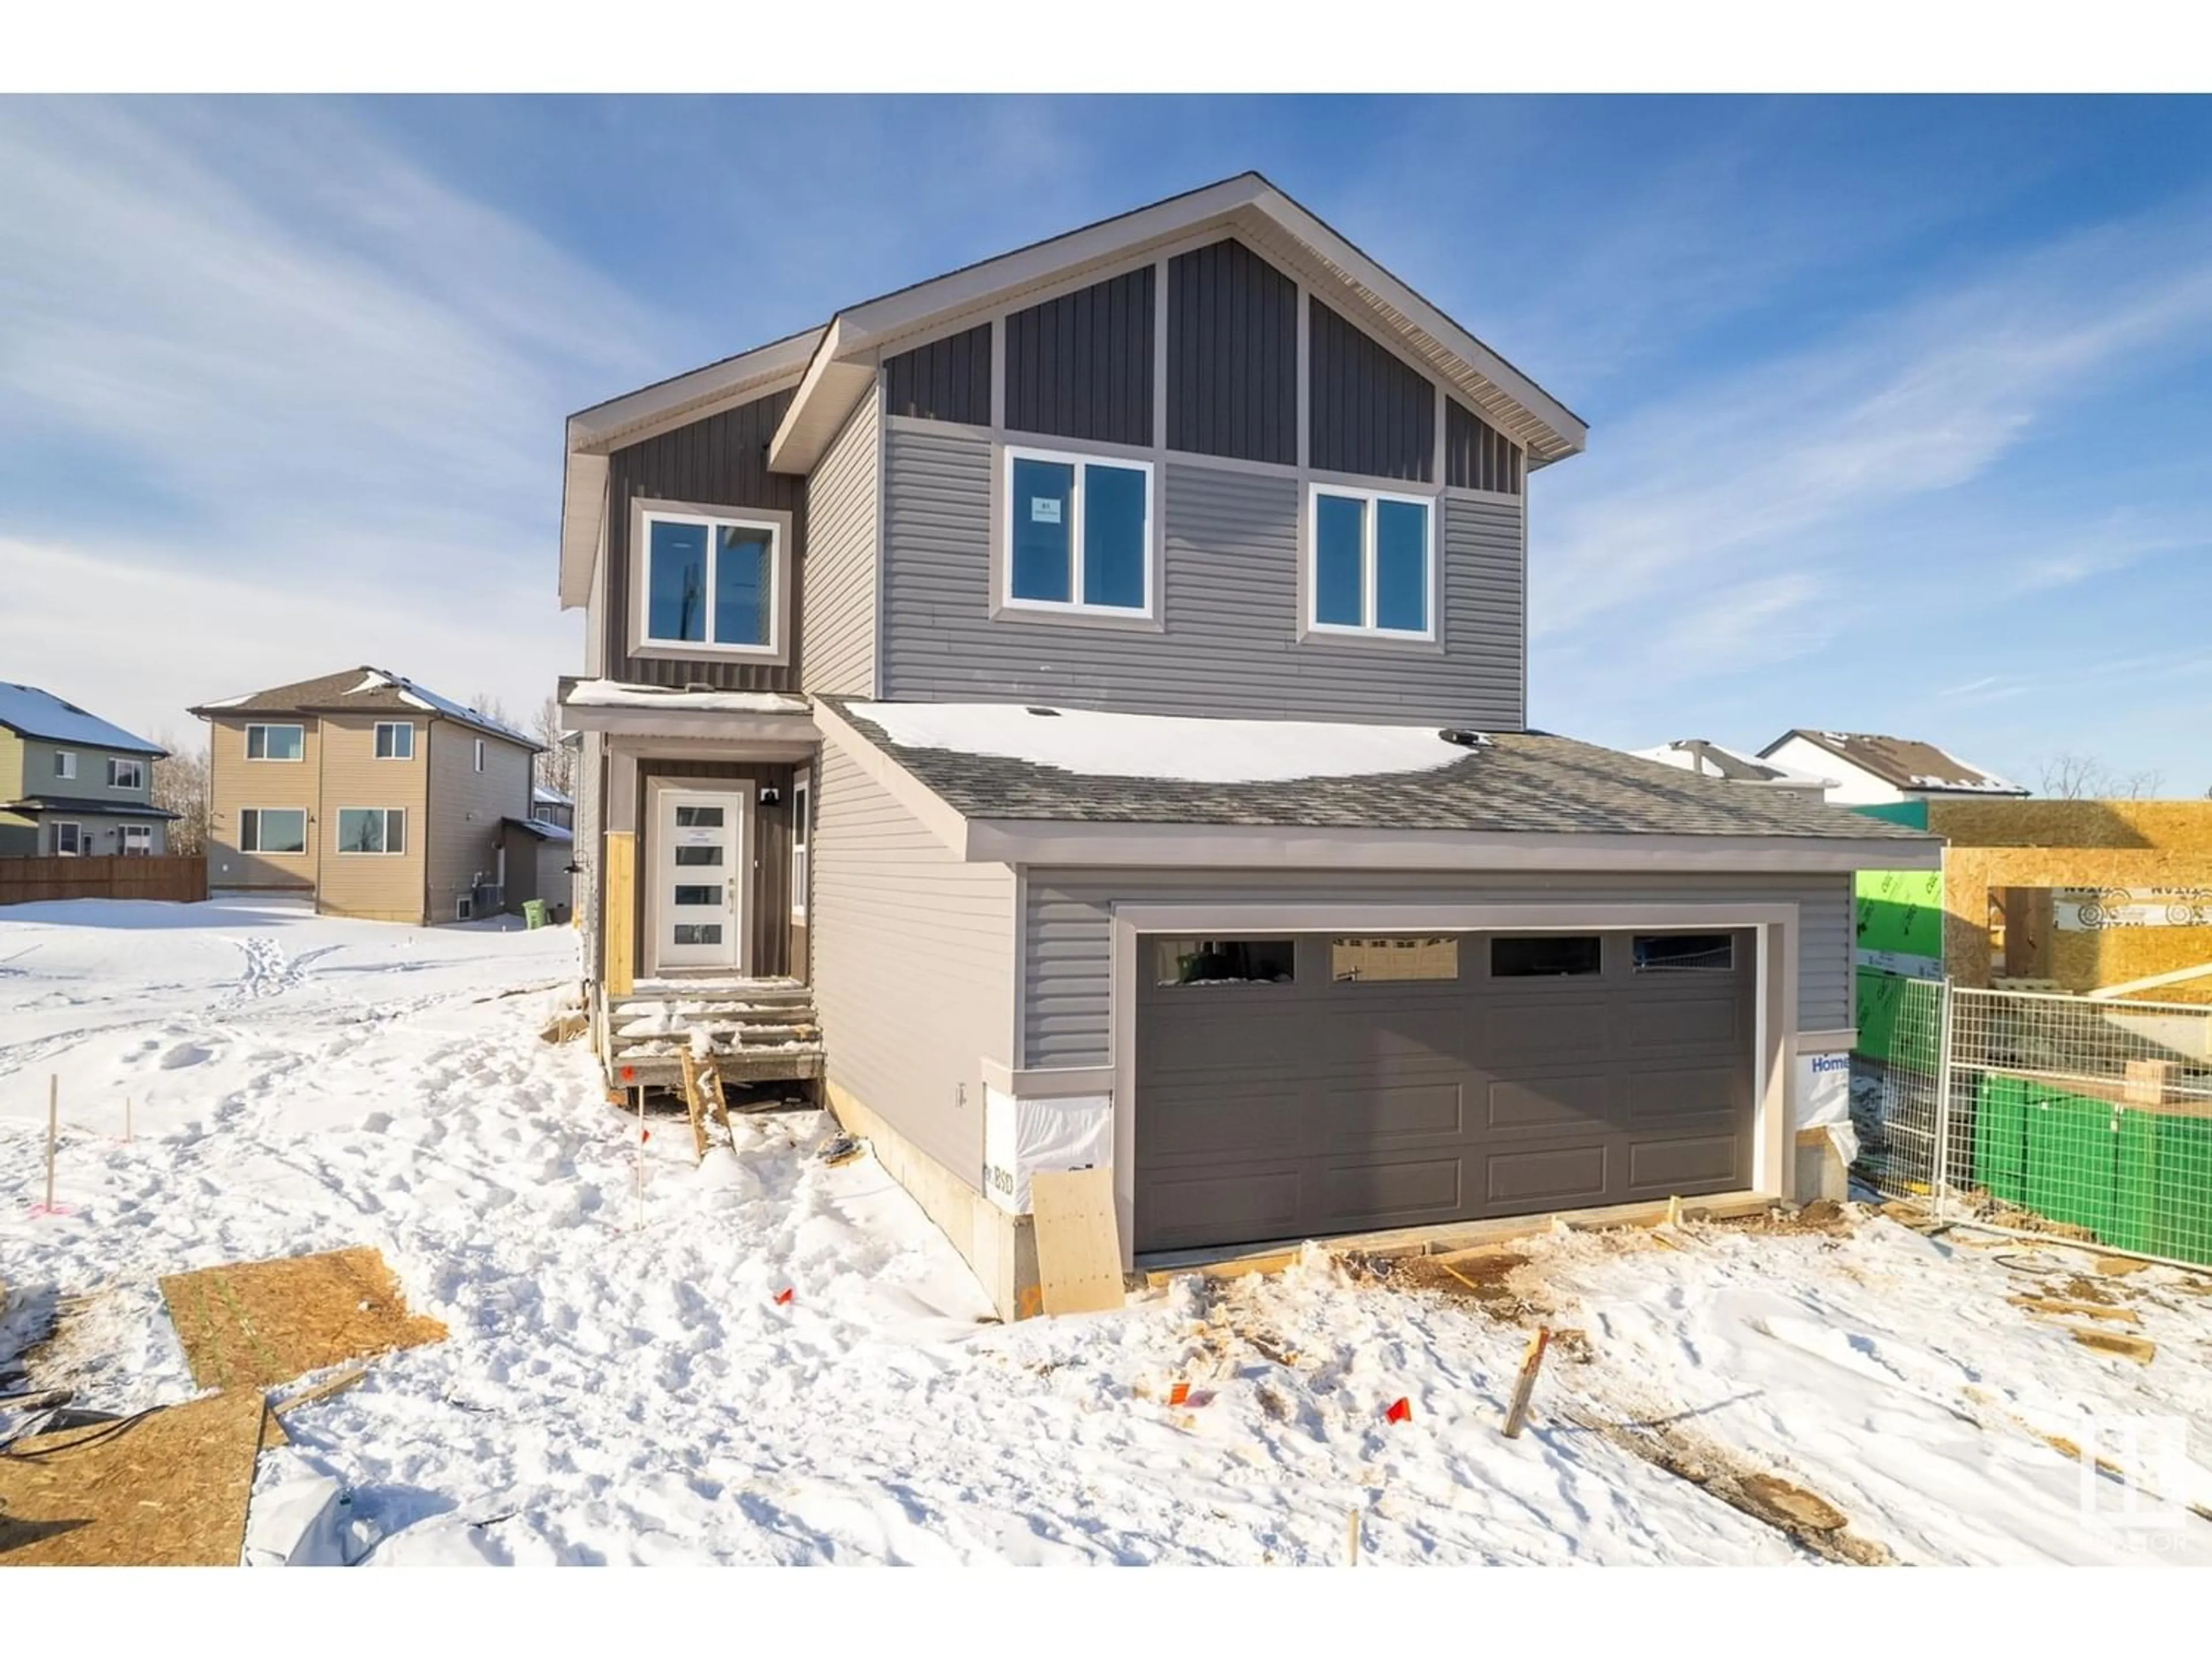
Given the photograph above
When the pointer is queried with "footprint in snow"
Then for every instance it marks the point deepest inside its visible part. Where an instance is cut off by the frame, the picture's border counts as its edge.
(184, 1055)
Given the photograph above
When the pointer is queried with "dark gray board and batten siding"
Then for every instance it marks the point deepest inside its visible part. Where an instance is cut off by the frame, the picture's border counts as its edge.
(1232, 360)
(719, 461)
(839, 576)
(1067, 946)
(1230, 646)
(1368, 411)
(947, 379)
(1477, 455)
(1081, 366)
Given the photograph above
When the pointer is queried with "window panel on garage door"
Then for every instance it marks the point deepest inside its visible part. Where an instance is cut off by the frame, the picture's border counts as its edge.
(1326, 1105)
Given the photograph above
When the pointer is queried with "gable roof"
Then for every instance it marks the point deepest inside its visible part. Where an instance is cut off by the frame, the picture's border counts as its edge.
(1703, 755)
(1902, 762)
(31, 713)
(360, 691)
(832, 364)
(1527, 783)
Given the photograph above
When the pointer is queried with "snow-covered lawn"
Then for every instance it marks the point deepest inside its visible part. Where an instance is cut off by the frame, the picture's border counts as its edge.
(610, 1392)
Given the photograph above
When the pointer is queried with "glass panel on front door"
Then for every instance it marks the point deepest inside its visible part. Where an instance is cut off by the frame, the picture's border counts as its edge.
(695, 898)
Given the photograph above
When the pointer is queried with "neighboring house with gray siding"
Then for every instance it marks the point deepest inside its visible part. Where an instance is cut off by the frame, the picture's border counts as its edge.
(72, 785)
(1080, 701)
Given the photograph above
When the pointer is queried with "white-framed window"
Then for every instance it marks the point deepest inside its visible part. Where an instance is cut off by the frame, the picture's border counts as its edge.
(278, 830)
(395, 740)
(65, 763)
(1371, 563)
(68, 840)
(125, 773)
(1078, 533)
(376, 831)
(276, 743)
(137, 840)
(712, 583)
(479, 754)
(802, 803)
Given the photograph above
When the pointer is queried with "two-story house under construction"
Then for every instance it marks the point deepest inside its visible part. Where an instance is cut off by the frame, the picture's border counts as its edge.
(1090, 687)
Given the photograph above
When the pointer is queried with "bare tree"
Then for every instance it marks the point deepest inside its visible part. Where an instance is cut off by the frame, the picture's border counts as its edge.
(491, 707)
(557, 766)
(180, 785)
(2070, 776)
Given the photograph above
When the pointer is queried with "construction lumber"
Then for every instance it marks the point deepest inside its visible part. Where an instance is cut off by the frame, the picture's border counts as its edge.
(260, 1323)
(1079, 1245)
(1524, 1384)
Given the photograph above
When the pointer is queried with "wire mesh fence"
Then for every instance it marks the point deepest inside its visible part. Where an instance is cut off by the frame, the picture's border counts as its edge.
(2047, 1115)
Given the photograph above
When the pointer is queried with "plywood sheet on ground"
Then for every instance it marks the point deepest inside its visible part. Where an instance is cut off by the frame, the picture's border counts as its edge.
(169, 1489)
(262, 1322)
(1078, 1248)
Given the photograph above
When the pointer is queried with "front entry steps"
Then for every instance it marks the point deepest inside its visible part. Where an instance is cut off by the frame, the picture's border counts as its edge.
(757, 1031)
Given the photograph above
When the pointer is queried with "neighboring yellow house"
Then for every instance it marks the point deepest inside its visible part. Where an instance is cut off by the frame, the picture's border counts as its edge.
(378, 797)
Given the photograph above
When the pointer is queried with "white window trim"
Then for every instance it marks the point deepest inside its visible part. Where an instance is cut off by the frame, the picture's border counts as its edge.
(275, 725)
(140, 831)
(65, 765)
(1076, 607)
(338, 833)
(802, 811)
(376, 739)
(778, 524)
(77, 828)
(115, 761)
(480, 753)
(259, 812)
(1368, 630)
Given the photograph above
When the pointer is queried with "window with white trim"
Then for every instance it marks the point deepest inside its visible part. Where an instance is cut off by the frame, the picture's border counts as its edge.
(137, 840)
(1078, 533)
(802, 803)
(125, 773)
(373, 830)
(395, 740)
(274, 743)
(711, 582)
(68, 840)
(65, 763)
(1371, 563)
(479, 754)
(280, 830)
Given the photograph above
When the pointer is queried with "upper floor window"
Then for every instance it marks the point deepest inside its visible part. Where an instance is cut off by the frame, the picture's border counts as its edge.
(125, 773)
(395, 740)
(1371, 563)
(274, 743)
(711, 582)
(479, 754)
(65, 763)
(1078, 533)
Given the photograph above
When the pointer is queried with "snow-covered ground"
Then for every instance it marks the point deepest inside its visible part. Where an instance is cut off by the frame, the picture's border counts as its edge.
(617, 1392)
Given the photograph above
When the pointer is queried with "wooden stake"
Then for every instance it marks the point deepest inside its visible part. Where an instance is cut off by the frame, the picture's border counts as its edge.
(1351, 1538)
(640, 1157)
(1524, 1385)
(53, 1132)
(1674, 1211)
(127, 1118)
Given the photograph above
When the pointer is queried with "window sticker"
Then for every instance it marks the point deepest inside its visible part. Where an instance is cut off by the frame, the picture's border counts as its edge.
(1044, 509)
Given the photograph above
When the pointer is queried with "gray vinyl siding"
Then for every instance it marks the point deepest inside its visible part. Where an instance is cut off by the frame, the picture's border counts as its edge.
(1369, 411)
(947, 379)
(913, 966)
(1081, 366)
(1477, 455)
(90, 782)
(838, 576)
(1067, 946)
(1232, 361)
(1230, 647)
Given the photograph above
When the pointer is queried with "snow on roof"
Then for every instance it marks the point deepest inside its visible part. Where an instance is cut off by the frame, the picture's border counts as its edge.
(1904, 762)
(545, 795)
(35, 714)
(1166, 746)
(1703, 755)
(613, 693)
(422, 698)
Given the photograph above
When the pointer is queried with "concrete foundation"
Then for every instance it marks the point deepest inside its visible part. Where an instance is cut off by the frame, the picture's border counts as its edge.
(1001, 1249)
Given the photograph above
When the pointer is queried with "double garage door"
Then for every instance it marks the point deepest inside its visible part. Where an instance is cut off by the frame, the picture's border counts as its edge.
(1301, 1085)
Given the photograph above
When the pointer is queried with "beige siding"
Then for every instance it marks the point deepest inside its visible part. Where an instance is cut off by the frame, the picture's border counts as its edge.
(913, 966)
(236, 784)
(381, 887)
(839, 570)
(466, 809)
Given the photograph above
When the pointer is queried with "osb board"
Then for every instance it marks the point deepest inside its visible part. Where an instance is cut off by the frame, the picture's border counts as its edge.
(2179, 826)
(261, 1322)
(1077, 1246)
(2083, 961)
(169, 1490)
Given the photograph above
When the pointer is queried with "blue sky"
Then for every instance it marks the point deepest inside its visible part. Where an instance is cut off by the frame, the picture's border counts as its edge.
(1899, 407)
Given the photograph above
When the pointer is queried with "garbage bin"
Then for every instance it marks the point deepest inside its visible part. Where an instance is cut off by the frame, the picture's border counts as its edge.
(533, 913)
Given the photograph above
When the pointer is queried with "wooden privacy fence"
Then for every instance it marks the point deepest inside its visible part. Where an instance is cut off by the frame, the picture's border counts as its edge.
(177, 879)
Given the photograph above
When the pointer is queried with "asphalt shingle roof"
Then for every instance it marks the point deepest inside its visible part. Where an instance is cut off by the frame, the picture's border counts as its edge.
(113, 809)
(36, 713)
(360, 689)
(1521, 782)
(1904, 762)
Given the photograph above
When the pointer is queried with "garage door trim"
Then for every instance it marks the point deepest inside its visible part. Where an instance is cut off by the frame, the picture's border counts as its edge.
(1774, 927)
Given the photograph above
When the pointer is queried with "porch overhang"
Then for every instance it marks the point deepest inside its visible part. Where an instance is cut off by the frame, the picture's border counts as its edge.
(749, 719)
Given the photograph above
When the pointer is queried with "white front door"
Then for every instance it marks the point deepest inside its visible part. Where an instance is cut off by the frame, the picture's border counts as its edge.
(696, 906)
